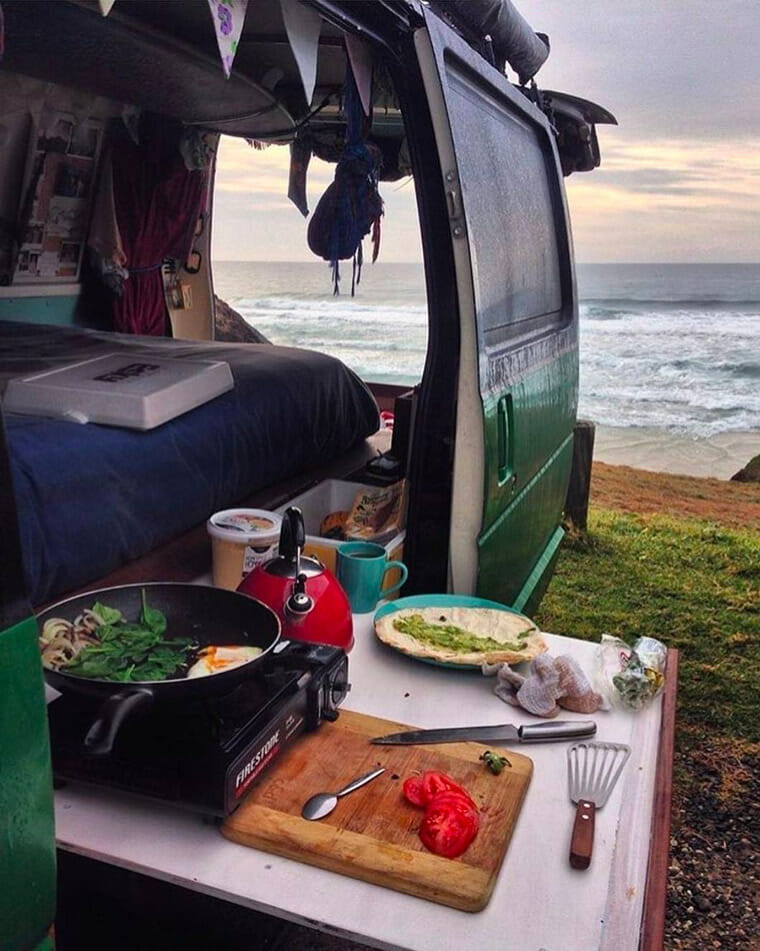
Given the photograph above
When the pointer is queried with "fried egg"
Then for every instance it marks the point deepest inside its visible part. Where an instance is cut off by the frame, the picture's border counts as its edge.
(215, 659)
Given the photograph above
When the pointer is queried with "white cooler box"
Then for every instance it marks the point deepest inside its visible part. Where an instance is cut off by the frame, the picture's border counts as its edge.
(335, 495)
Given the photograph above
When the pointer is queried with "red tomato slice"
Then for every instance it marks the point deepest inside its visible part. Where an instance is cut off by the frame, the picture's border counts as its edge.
(459, 802)
(446, 830)
(434, 782)
(413, 791)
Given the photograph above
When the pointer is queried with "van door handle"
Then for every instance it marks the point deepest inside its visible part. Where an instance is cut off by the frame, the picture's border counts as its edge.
(453, 198)
(504, 437)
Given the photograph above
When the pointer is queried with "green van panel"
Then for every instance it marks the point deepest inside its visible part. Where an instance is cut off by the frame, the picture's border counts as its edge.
(61, 310)
(538, 580)
(27, 833)
(525, 534)
(527, 421)
(521, 535)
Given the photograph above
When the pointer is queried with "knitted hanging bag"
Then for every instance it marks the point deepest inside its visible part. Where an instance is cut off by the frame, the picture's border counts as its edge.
(351, 207)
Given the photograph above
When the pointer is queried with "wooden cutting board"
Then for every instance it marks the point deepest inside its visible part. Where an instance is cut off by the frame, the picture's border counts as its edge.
(373, 833)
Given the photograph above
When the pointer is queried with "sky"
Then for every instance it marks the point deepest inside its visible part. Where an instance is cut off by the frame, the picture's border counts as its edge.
(680, 174)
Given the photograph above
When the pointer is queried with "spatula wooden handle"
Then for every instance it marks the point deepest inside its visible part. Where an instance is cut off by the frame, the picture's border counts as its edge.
(582, 842)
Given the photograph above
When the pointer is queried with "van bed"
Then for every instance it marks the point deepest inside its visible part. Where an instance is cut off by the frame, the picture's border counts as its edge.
(78, 487)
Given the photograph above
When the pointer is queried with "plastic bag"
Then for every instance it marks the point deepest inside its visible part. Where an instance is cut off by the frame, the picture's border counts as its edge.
(630, 677)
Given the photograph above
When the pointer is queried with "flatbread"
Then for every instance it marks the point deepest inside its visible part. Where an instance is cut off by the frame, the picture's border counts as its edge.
(504, 626)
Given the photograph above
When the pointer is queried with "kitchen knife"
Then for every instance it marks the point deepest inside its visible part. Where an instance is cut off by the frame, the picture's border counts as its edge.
(500, 733)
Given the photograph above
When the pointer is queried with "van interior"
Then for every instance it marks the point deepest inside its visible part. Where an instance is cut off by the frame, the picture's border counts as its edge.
(111, 118)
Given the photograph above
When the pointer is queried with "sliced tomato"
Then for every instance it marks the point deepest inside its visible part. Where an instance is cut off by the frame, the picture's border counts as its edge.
(459, 802)
(434, 782)
(413, 791)
(446, 829)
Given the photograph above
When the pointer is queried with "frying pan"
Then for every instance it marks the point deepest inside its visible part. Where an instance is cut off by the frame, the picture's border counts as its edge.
(208, 615)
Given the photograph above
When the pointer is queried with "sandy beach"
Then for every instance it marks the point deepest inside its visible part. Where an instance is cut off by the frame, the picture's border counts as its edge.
(717, 457)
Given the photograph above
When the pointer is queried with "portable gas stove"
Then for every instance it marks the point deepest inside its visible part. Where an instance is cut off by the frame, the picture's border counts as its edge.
(204, 755)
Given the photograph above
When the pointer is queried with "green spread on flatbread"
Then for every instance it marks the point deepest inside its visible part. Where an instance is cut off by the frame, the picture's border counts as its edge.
(451, 636)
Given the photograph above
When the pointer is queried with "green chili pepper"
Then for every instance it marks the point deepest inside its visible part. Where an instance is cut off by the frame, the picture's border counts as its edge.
(495, 762)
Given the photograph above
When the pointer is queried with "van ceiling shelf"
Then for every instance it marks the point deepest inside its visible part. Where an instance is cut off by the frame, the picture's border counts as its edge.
(124, 60)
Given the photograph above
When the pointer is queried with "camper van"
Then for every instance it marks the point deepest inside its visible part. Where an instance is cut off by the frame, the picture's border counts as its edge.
(112, 115)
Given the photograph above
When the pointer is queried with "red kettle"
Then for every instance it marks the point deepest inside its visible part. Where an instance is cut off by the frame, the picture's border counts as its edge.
(306, 597)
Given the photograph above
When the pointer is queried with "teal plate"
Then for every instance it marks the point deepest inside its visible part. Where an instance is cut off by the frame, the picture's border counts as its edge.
(441, 601)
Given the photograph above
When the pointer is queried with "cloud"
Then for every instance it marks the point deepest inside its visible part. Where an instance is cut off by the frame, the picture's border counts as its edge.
(666, 197)
(244, 169)
(678, 69)
(702, 170)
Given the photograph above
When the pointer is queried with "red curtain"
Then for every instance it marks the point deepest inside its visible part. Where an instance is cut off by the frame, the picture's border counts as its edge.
(157, 201)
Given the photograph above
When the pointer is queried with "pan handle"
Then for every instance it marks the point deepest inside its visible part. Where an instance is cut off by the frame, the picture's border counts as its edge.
(582, 842)
(114, 711)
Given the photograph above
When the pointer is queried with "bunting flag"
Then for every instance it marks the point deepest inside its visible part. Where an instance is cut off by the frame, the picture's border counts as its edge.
(228, 17)
(300, 156)
(105, 6)
(303, 26)
(360, 57)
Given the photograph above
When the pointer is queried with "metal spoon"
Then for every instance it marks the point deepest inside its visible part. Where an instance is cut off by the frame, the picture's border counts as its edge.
(322, 804)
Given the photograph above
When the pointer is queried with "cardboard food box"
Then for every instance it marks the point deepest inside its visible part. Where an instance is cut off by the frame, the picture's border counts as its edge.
(334, 496)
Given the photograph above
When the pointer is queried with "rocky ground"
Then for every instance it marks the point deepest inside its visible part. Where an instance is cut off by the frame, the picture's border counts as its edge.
(231, 327)
(714, 874)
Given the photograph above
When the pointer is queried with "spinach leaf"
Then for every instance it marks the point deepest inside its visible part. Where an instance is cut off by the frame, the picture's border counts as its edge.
(152, 618)
(109, 615)
(129, 651)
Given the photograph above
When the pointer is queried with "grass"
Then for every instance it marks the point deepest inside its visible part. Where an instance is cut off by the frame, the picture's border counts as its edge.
(691, 583)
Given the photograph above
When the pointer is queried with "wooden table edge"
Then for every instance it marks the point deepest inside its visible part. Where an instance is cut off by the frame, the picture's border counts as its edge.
(656, 893)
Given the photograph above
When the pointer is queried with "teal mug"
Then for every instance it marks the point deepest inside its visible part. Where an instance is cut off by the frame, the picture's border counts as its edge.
(361, 570)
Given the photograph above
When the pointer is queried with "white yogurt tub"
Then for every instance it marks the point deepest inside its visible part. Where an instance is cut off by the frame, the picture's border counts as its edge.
(240, 540)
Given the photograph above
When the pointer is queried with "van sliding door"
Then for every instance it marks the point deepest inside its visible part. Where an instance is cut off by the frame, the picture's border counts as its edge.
(518, 383)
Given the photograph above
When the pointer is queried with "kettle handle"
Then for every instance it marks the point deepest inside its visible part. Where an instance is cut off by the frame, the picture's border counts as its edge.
(292, 534)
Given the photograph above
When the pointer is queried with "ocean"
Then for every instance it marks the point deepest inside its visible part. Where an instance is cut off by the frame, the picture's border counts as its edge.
(671, 347)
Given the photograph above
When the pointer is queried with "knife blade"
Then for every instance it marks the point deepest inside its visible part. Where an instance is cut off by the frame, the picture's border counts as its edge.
(499, 733)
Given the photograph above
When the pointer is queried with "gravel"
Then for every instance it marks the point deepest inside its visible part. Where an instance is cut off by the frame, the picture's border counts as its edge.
(714, 874)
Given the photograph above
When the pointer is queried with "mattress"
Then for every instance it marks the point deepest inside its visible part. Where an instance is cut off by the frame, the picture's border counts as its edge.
(91, 498)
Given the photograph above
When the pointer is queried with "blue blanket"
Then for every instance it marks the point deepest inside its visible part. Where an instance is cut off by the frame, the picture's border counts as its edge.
(91, 498)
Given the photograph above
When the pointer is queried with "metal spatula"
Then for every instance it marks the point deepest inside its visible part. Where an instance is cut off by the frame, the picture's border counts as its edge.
(593, 769)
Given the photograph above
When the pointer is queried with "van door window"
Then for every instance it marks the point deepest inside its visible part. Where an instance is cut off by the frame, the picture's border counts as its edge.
(512, 209)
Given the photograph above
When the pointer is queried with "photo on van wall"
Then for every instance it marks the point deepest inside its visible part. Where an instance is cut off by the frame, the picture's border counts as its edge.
(69, 254)
(65, 218)
(33, 234)
(57, 136)
(85, 139)
(61, 170)
(72, 182)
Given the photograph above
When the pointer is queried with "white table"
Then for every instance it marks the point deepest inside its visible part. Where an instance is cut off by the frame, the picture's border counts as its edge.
(539, 903)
